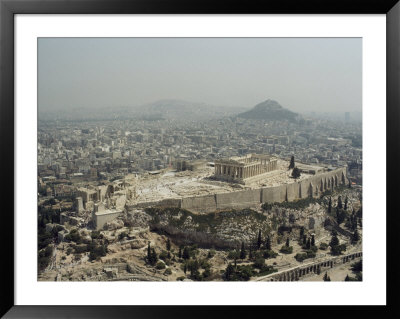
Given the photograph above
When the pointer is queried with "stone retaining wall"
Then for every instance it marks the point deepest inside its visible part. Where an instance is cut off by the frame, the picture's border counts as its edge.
(312, 186)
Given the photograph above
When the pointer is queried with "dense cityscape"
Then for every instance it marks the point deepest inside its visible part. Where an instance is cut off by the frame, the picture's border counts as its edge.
(107, 150)
(110, 206)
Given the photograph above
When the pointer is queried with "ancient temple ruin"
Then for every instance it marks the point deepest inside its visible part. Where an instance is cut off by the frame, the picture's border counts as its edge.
(238, 169)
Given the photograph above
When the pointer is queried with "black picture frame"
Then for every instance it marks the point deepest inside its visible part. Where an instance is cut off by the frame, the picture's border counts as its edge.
(8, 8)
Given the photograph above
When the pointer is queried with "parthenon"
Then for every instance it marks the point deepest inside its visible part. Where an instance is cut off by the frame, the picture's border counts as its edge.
(238, 169)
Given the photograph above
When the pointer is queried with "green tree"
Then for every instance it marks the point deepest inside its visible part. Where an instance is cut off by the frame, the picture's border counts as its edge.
(229, 272)
(312, 240)
(291, 165)
(160, 265)
(339, 203)
(338, 249)
(296, 173)
(259, 241)
(148, 251)
(164, 255)
(357, 266)
(323, 246)
(269, 254)
(326, 277)
(152, 259)
(211, 253)
(259, 263)
(334, 241)
(353, 221)
(286, 249)
(287, 242)
(193, 266)
(180, 252)
(301, 232)
(356, 237)
(330, 205)
(268, 243)
(186, 253)
(346, 201)
(340, 215)
(168, 244)
(242, 252)
(347, 278)
(308, 244)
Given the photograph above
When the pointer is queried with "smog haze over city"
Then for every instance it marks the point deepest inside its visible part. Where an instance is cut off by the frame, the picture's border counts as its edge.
(304, 74)
(199, 159)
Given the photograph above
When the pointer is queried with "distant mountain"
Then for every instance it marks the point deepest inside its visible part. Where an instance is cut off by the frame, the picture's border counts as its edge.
(184, 110)
(269, 110)
(159, 110)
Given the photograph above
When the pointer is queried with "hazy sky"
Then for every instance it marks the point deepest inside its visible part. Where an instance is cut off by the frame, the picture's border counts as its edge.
(302, 74)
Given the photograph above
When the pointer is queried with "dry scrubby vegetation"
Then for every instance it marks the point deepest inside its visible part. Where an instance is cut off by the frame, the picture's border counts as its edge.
(300, 203)
(203, 230)
(244, 253)
(96, 247)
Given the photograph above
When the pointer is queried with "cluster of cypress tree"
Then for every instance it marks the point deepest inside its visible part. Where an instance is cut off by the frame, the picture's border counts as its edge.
(336, 247)
(152, 257)
(326, 277)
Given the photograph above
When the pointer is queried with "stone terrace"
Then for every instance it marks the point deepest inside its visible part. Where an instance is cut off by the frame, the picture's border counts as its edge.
(197, 183)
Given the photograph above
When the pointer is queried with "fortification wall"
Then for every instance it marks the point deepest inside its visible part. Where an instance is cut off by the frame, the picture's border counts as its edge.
(170, 202)
(312, 186)
(201, 204)
(292, 192)
(273, 194)
(241, 199)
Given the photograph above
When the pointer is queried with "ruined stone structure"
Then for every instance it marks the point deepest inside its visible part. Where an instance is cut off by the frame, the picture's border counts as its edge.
(309, 187)
(101, 217)
(238, 169)
(185, 165)
(295, 274)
